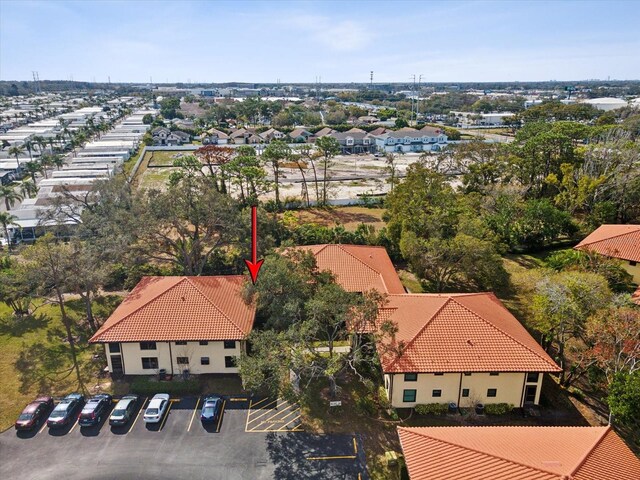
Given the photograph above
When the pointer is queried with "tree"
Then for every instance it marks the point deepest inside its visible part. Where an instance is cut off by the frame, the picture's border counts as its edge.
(391, 168)
(187, 223)
(624, 398)
(401, 123)
(216, 159)
(147, 119)
(169, 107)
(15, 289)
(276, 152)
(329, 147)
(561, 306)
(7, 220)
(10, 196)
(49, 263)
(32, 168)
(247, 174)
(16, 151)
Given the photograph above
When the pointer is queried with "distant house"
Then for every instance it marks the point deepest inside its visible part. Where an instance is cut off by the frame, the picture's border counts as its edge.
(616, 241)
(213, 136)
(164, 136)
(271, 134)
(516, 452)
(358, 268)
(354, 141)
(184, 123)
(300, 135)
(367, 120)
(178, 323)
(324, 132)
(459, 348)
(411, 140)
(378, 131)
(243, 136)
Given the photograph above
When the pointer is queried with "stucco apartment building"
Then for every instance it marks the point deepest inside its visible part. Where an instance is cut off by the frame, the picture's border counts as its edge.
(178, 323)
(616, 241)
(523, 453)
(459, 348)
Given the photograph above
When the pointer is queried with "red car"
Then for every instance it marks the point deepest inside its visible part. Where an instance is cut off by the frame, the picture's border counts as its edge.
(33, 412)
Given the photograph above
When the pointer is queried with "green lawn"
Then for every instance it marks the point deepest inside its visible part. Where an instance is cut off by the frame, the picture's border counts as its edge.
(34, 358)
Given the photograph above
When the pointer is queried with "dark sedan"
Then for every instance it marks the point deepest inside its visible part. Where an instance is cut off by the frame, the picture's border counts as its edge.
(211, 408)
(65, 412)
(125, 410)
(33, 412)
(95, 409)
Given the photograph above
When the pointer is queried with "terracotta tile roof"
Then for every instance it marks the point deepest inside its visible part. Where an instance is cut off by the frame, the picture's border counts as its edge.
(516, 453)
(459, 333)
(617, 241)
(358, 268)
(180, 308)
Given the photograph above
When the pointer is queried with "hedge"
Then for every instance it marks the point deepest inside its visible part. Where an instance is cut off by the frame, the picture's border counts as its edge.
(497, 408)
(432, 408)
(146, 386)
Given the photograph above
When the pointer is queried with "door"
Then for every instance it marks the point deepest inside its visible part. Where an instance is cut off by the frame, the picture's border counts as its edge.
(530, 393)
(116, 365)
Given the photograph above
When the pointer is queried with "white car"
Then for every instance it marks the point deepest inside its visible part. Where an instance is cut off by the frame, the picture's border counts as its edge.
(157, 408)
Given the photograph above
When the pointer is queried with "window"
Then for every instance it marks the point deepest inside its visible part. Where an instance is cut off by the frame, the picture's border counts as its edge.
(229, 362)
(632, 263)
(203, 342)
(181, 343)
(409, 395)
(467, 374)
(465, 392)
(149, 363)
(204, 361)
(436, 393)
(229, 344)
(114, 348)
(494, 374)
(532, 377)
(410, 377)
(147, 345)
(438, 374)
(182, 360)
(492, 392)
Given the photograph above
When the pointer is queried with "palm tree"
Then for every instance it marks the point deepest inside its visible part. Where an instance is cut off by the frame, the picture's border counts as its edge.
(10, 196)
(16, 150)
(32, 168)
(6, 219)
(29, 188)
(57, 161)
(29, 146)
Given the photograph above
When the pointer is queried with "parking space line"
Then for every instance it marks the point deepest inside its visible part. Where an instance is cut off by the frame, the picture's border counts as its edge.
(194, 414)
(166, 415)
(282, 428)
(359, 476)
(224, 402)
(280, 420)
(350, 457)
(138, 415)
(355, 446)
(257, 403)
(44, 424)
(271, 419)
(265, 413)
(74, 425)
(244, 399)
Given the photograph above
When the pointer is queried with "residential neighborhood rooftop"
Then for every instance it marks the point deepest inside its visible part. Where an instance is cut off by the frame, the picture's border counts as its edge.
(459, 333)
(180, 308)
(618, 241)
(517, 452)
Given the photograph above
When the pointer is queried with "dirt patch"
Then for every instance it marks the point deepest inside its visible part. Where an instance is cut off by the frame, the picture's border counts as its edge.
(348, 217)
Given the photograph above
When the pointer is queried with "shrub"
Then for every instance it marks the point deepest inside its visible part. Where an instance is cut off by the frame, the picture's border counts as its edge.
(147, 386)
(497, 408)
(432, 408)
(383, 399)
(366, 406)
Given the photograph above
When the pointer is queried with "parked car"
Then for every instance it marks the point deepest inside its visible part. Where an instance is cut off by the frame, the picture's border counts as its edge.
(96, 408)
(33, 412)
(211, 409)
(157, 408)
(65, 411)
(124, 411)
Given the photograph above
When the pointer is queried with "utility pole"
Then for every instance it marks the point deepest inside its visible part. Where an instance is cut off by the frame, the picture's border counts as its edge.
(371, 81)
(413, 95)
(418, 99)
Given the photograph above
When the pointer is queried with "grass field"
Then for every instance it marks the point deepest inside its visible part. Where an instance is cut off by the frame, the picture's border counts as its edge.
(40, 336)
(348, 217)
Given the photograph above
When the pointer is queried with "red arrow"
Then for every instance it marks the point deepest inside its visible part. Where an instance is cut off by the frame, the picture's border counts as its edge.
(254, 264)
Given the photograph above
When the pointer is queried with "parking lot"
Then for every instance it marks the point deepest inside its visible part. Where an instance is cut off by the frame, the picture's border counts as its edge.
(257, 438)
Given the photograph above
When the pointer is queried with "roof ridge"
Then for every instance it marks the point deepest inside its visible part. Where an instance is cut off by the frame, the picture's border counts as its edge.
(589, 452)
(612, 236)
(502, 331)
(215, 306)
(352, 255)
(421, 330)
(558, 475)
(182, 278)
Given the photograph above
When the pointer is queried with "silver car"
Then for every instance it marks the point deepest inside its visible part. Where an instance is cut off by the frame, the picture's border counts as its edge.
(157, 408)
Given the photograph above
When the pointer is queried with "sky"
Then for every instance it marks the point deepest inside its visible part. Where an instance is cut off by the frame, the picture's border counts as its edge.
(301, 41)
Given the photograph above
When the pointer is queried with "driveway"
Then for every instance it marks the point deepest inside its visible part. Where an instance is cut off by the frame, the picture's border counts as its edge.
(180, 447)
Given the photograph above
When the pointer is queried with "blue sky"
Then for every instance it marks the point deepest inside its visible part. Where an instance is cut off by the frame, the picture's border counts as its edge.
(262, 41)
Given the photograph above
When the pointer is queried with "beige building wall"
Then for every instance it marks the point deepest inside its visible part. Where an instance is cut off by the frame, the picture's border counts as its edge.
(509, 388)
(167, 356)
(634, 270)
